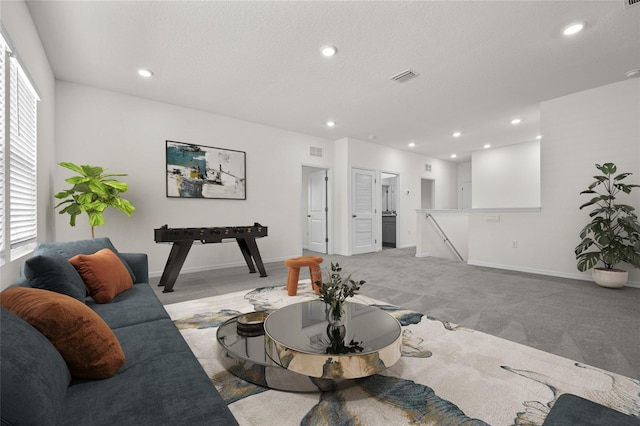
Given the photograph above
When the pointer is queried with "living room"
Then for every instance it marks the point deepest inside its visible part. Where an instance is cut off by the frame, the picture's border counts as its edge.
(69, 114)
(126, 133)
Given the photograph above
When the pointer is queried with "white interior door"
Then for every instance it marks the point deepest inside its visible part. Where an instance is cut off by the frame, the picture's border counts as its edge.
(317, 211)
(363, 211)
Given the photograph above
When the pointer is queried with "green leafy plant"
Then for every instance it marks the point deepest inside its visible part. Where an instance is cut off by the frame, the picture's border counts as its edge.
(92, 192)
(337, 289)
(613, 235)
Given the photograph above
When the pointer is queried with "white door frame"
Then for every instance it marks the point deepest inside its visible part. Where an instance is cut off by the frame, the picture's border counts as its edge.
(304, 201)
(397, 204)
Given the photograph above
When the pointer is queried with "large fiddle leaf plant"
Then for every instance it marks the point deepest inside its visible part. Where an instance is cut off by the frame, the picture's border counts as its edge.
(92, 191)
(613, 235)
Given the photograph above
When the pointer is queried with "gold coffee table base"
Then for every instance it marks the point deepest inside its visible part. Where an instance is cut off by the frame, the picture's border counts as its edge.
(298, 338)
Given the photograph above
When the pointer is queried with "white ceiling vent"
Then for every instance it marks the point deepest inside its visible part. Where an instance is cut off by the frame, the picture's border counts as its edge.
(315, 151)
(409, 74)
(629, 3)
(427, 167)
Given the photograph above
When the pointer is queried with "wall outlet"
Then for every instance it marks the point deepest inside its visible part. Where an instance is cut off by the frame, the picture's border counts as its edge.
(514, 244)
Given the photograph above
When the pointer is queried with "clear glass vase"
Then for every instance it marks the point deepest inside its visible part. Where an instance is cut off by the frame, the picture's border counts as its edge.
(335, 314)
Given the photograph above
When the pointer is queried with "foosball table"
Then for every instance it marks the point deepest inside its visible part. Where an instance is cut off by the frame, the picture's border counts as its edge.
(183, 238)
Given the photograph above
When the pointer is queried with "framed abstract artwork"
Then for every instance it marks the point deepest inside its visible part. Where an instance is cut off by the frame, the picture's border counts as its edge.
(199, 171)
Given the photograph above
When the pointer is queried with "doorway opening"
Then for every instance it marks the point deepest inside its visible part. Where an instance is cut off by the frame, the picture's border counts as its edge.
(427, 194)
(389, 209)
(315, 209)
(465, 196)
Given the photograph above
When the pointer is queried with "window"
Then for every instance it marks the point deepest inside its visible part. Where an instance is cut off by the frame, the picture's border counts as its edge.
(3, 55)
(18, 196)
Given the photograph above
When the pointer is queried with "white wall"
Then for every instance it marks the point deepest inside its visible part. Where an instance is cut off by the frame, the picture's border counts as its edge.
(17, 21)
(464, 172)
(595, 126)
(507, 177)
(127, 134)
(341, 202)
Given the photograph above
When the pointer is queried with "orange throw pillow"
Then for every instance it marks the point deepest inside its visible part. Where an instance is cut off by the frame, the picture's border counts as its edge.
(84, 340)
(103, 273)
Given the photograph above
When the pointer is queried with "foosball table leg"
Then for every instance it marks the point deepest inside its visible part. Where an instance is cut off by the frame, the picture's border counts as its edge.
(250, 251)
(176, 259)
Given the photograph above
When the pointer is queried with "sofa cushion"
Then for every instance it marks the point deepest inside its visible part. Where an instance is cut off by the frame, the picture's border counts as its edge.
(55, 273)
(134, 306)
(68, 249)
(169, 389)
(103, 273)
(34, 376)
(84, 340)
(143, 342)
(161, 383)
(572, 409)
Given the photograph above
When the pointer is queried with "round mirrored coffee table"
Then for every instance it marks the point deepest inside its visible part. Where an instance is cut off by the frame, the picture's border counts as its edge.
(299, 339)
(243, 354)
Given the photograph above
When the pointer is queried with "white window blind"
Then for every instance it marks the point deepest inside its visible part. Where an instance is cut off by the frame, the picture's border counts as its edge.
(3, 54)
(22, 160)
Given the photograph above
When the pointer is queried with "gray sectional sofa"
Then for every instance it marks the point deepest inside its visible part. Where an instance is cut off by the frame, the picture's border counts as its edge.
(160, 383)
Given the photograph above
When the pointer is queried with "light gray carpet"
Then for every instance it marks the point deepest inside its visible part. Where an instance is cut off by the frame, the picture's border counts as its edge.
(574, 319)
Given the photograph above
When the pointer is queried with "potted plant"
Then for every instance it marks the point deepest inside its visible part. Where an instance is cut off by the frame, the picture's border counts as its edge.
(613, 234)
(92, 192)
(335, 291)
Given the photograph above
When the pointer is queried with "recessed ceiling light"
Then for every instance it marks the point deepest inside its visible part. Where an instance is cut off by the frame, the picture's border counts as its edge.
(516, 121)
(573, 28)
(453, 155)
(456, 134)
(331, 123)
(539, 137)
(412, 144)
(372, 137)
(486, 145)
(145, 73)
(329, 51)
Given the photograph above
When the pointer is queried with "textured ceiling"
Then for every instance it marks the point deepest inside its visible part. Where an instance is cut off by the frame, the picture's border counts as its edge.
(480, 64)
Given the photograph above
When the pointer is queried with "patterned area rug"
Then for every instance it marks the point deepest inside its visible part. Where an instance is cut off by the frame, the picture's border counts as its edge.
(448, 375)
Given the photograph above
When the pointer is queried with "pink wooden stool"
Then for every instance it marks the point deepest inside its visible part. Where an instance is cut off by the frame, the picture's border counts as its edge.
(294, 264)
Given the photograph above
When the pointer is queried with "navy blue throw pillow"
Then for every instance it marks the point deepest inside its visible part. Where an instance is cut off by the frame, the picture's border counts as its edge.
(55, 273)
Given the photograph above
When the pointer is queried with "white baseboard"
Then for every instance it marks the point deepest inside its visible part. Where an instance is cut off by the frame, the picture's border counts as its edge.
(153, 274)
(558, 274)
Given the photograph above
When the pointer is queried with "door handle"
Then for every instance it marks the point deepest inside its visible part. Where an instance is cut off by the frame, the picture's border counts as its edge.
(353, 215)
(308, 215)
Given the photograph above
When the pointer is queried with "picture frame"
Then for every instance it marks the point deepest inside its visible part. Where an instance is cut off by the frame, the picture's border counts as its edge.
(207, 172)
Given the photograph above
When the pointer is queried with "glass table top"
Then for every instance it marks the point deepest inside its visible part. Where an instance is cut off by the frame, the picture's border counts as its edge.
(303, 327)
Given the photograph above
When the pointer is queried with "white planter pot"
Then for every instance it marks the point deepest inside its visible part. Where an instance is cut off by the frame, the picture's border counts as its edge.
(610, 278)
